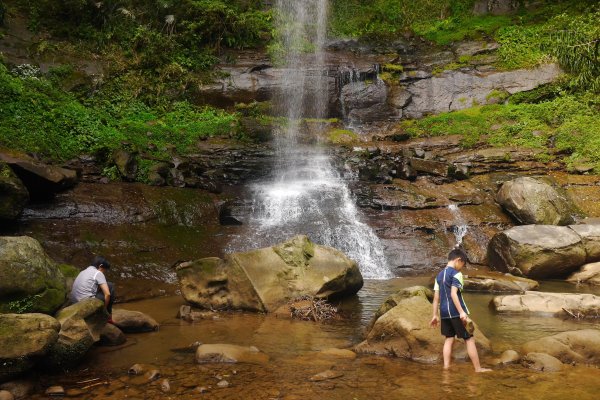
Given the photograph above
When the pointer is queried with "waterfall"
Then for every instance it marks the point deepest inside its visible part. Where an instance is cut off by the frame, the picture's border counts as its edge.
(305, 194)
(460, 228)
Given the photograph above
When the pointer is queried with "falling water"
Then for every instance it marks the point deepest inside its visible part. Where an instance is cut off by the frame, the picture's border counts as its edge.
(306, 195)
(460, 228)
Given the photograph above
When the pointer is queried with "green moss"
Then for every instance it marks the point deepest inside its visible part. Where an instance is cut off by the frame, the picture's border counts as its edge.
(342, 136)
(68, 271)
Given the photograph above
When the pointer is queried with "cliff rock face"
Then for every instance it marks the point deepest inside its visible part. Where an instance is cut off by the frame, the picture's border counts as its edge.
(264, 279)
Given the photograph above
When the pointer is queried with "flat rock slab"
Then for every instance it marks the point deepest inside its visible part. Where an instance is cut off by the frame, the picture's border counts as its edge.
(134, 321)
(229, 353)
(495, 282)
(556, 304)
(581, 346)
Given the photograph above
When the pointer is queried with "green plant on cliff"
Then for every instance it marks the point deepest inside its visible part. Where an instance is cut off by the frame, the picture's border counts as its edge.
(569, 124)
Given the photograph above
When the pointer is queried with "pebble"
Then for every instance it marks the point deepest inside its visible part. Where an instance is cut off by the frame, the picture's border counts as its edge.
(202, 389)
(223, 384)
(6, 395)
(136, 369)
(55, 391)
(152, 375)
(329, 374)
(165, 386)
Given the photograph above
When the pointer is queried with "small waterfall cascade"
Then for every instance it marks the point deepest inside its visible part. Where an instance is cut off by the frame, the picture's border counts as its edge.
(460, 227)
(305, 194)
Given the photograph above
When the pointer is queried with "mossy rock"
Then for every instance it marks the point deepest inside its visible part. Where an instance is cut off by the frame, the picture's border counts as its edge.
(29, 280)
(342, 136)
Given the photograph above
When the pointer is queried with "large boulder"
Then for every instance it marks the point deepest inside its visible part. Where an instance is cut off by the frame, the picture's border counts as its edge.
(366, 102)
(589, 273)
(402, 329)
(533, 201)
(133, 321)
(41, 180)
(81, 325)
(581, 346)
(24, 339)
(13, 194)
(590, 237)
(537, 251)
(264, 279)
(229, 353)
(556, 304)
(29, 280)
(496, 282)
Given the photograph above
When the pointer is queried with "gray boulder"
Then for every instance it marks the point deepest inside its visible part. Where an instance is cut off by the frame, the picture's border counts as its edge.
(366, 102)
(555, 304)
(24, 339)
(13, 194)
(402, 329)
(533, 201)
(590, 237)
(581, 346)
(133, 321)
(588, 273)
(536, 251)
(29, 280)
(264, 279)
(80, 327)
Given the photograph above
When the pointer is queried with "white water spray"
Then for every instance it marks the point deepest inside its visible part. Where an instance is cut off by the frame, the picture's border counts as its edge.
(306, 195)
(460, 228)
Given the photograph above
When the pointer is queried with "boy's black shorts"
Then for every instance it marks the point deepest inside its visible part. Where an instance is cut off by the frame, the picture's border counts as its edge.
(454, 327)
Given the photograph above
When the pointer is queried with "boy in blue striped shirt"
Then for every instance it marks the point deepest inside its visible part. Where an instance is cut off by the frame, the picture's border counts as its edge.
(449, 304)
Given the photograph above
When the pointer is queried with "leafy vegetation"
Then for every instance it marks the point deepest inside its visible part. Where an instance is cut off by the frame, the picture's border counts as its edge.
(566, 124)
(36, 116)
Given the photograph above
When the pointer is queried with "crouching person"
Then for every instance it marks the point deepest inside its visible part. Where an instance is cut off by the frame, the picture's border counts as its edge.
(91, 282)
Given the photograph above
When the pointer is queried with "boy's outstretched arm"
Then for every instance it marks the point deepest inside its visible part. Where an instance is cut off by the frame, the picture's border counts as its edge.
(436, 301)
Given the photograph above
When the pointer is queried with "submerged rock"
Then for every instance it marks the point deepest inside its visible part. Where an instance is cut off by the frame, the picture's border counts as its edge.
(581, 346)
(401, 329)
(264, 279)
(229, 353)
(29, 280)
(542, 362)
(133, 321)
(24, 339)
(80, 327)
(111, 336)
(533, 201)
(557, 304)
(13, 194)
(537, 251)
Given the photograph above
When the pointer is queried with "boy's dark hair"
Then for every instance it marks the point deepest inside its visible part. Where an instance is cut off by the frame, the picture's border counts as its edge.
(99, 260)
(458, 253)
